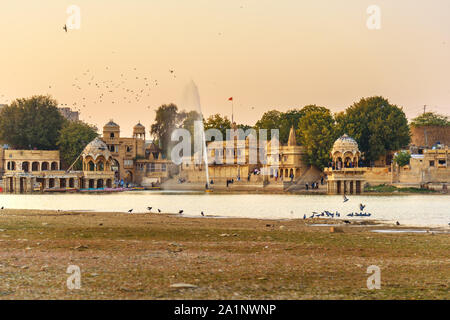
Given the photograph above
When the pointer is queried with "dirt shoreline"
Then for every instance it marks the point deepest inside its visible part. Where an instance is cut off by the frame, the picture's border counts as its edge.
(139, 256)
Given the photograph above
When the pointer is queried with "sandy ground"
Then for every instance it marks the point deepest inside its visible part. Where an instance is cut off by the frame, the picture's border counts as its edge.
(140, 256)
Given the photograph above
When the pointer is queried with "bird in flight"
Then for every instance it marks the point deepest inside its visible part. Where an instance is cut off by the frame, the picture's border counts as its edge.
(345, 198)
(202, 214)
(65, 28)
(180, 212)
(131, 210)
(361, 206)
(149, 208)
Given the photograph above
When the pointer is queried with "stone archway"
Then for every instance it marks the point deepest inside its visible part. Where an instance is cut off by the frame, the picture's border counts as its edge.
(35, 166)
(54, 166)
(26, 166)
(128, 176)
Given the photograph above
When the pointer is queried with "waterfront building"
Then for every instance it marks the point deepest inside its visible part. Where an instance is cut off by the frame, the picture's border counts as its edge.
(344, 175)
(135, 160)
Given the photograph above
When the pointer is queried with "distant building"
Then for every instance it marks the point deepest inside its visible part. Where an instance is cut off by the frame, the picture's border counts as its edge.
(69, 114)
(135, 160)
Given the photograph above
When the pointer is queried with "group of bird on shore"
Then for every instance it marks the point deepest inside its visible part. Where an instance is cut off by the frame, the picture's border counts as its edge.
(336, 214)
(180, 212)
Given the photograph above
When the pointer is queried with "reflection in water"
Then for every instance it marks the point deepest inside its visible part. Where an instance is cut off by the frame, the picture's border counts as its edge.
(414, 210)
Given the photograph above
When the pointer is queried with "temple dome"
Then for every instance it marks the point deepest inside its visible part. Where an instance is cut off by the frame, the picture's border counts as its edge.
(96, 148)
(111, 124)
(345, 144)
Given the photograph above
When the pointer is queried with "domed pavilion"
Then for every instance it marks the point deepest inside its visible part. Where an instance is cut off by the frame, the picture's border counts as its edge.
(97, 161)
(344, 175)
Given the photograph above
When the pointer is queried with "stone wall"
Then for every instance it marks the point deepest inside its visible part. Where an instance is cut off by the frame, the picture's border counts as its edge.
(427, 136)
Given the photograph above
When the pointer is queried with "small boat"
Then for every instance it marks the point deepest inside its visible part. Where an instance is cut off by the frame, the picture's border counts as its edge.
(137, 188)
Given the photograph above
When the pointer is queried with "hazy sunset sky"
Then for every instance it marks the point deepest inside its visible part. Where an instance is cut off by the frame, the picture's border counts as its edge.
(266, 54)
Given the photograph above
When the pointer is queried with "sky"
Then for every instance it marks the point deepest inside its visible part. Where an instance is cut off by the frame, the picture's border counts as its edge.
(266, 54)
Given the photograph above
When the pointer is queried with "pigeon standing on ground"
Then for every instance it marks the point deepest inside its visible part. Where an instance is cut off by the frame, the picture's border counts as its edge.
(397, 223)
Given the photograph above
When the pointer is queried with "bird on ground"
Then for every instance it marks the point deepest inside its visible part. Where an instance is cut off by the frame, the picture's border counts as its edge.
(149, 208)
(180, 212)
(345, 198)
(2, 208)
(361, 206)
(65, 28)
(131, 210)
(397, 223)
(202, 214)
(159, 210)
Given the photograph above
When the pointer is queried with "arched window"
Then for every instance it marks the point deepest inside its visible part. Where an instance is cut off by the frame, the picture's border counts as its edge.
(35, 166)
(54, 166)
(44, 166)
(101, 166)
(26, 166)
(91, 166)
(111, 135)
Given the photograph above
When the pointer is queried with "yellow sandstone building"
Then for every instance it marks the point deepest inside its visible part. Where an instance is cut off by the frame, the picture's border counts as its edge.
(107, 162)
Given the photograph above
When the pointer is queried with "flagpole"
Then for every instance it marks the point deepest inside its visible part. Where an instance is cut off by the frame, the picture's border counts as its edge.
(232, 112)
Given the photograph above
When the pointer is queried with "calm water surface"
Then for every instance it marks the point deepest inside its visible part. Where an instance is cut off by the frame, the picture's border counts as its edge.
(412, 210)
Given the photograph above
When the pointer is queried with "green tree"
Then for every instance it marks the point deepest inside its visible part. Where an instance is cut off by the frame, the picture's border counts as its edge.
(167, 119)
(283, 121)
(270, 120)
(289, 119)
(317, 133)
(402, 158)
(31, 123)
(216, 121)
(376, 125)
(74, 137)
(189, 124)
(430, 119)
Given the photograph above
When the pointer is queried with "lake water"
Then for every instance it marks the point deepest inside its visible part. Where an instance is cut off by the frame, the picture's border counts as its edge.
(410, 210)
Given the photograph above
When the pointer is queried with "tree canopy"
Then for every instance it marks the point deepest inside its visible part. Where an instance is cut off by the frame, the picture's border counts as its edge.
(167, 119)
(402, 158)
(430, 119)
(74, 137)
(30, 123)
(376, 125)
(316, 133)
(218, 122)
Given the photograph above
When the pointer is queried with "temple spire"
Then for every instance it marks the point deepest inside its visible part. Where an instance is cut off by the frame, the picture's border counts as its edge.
(292, 141)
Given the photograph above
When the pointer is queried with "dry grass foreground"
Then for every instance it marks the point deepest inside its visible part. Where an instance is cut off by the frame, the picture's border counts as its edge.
(139, 256)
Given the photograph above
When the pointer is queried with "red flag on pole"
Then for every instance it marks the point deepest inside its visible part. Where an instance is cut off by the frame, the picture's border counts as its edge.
(230, 99)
